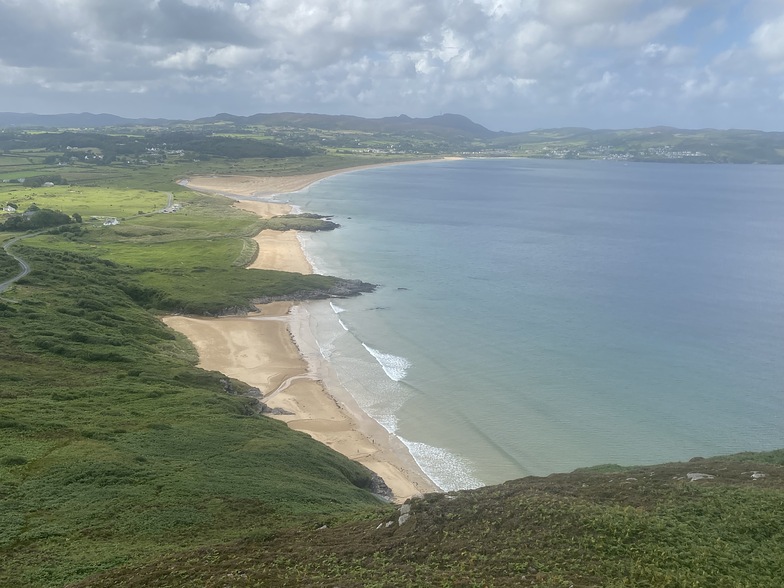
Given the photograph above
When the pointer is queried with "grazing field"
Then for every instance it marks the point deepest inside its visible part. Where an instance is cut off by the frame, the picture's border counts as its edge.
(87, 201)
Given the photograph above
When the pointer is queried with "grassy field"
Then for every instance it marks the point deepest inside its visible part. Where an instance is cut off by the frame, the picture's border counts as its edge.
(189, 259)
(87, 201)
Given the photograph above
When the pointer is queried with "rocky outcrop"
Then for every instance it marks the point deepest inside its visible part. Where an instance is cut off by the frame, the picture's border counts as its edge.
(379, 487)
(274, 411)
(341, 289)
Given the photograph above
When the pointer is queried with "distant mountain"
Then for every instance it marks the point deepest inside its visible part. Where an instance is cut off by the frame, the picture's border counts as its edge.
(454, 125)
(445, 126)
(450, 133)
(84, 120)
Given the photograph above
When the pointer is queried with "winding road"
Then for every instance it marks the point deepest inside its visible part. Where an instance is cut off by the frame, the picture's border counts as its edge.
(24, 265)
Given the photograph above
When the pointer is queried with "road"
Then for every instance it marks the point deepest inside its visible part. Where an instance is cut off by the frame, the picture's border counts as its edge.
(22, 263)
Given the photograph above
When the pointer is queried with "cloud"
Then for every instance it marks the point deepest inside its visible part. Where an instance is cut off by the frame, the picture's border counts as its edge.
(188, 59)
(632, 32)
(668, 56)
(768, 41)
(508, 63)
(585, 12)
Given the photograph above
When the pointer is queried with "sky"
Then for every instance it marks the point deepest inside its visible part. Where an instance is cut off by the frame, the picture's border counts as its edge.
(510, 65)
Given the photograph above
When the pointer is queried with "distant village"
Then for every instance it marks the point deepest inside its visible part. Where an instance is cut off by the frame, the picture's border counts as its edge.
(610, 153)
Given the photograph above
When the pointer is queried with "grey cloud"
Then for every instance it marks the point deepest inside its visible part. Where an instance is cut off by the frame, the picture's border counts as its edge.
(522, 61)
(33, 37)
(202, 24)
(564, 13)
(165, 22)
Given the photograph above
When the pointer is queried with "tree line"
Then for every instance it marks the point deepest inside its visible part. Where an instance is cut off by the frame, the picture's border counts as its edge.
(38, 218)
(200, 145)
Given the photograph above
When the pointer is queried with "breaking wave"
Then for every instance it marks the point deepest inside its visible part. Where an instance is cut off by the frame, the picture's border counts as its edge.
(394, 366)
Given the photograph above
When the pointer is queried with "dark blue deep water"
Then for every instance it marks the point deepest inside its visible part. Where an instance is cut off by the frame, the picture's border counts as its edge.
(538, 316)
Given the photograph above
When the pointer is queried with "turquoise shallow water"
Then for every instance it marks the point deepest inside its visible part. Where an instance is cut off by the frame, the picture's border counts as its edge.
(539, 316)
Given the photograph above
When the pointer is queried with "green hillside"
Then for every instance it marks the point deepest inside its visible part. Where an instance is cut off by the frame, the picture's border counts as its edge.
(659, 526)
(114, 448)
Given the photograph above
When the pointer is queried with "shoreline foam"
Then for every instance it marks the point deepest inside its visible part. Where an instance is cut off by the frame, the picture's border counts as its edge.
(254, 350)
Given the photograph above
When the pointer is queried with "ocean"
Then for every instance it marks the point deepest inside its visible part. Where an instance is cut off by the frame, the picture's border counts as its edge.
(537, 316)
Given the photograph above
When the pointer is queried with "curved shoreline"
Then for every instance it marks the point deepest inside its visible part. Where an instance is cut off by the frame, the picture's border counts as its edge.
(241, 187)
(277, 352)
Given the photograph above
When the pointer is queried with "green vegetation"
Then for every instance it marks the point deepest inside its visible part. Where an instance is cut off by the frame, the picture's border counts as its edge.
(37, 219)
(661, 144)
(104, 149)
(89, 201)
(8, 266)
(124, 465)
(114, 448)
(38, 181)
(299, 222)
(287, 136)
(185, 261)
(646, 526)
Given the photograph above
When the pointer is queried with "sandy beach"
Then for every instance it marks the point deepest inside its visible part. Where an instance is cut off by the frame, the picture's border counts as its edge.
(267, 186)
(257, 186)
(260, 349)
(278, 250)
